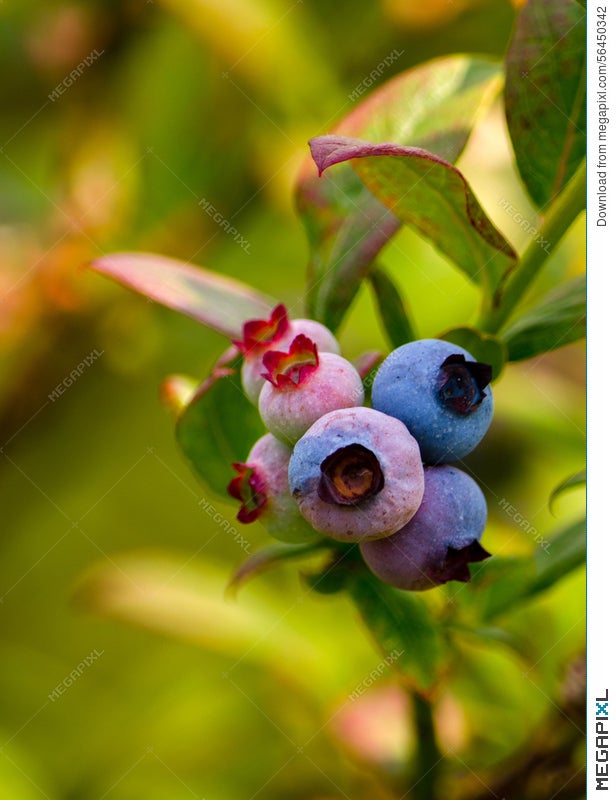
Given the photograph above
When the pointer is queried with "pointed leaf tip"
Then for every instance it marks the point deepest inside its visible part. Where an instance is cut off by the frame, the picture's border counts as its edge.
(217, 301)
(431, 195)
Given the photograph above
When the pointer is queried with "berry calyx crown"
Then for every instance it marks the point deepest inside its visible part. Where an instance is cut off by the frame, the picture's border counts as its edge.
(259, 334)
(461, 383)
(289, 370)
(349, 475)
(249, 488)
(455, 566)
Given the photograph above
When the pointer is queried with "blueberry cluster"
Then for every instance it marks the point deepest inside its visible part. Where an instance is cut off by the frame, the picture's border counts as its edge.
(375, 476)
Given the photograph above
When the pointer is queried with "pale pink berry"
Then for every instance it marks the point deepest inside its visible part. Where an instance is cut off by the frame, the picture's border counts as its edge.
(302, 385)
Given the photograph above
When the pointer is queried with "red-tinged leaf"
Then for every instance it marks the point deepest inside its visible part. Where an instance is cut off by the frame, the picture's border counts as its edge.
(368, 363)
(433, 106)
(545, 95)
(432, 196)
(221, 303)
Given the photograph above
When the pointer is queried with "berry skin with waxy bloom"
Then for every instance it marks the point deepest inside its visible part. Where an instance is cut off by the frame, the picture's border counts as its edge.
(440, 541)
(302, 385)
(357, 475)
(440, 393)
(276, 333)
(262, 487)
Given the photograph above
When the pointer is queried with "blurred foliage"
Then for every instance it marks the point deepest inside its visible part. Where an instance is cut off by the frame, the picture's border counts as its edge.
(112, 572)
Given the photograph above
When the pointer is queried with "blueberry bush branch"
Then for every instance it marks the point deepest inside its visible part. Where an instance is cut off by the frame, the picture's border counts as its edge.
(356, 469)
(427, 760)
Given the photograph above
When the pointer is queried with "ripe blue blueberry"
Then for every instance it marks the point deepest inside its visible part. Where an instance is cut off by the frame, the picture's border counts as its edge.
(356, 475)
(440, 541)
(302, 385)
(440, 393)
(262, 487)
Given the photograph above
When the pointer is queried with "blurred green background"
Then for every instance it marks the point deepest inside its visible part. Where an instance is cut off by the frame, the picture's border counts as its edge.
(124, 673)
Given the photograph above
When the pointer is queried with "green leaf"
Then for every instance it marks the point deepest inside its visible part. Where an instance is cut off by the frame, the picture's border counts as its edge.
(562, 554)
(339, 570)
(268, 557)
(21, 775)
(218, 427)
(502, 584)
(559, 319)
(496, 635)
(572, 482)
(432, 196)
(401, 626)
(221, 303)
(394, 316)
(433, 106)
(545, 95)
(483, 346)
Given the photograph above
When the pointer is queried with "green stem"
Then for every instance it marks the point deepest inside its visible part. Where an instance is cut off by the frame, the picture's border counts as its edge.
(560, 216)
(428, 757)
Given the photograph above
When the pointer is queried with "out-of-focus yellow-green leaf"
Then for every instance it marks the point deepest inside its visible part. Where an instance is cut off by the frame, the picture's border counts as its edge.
(264, 43)
(19, 778)
(165, 593)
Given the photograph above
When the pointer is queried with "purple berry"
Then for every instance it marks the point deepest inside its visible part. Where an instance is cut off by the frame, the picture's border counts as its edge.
(262, 487)
(440, 393)
(440, 541)
(304, 384)
(276, 333)
(356, 475)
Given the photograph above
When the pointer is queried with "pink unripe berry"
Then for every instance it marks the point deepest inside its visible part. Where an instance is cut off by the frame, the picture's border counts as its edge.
(302, 385)
(276, 333)
(262, 487)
